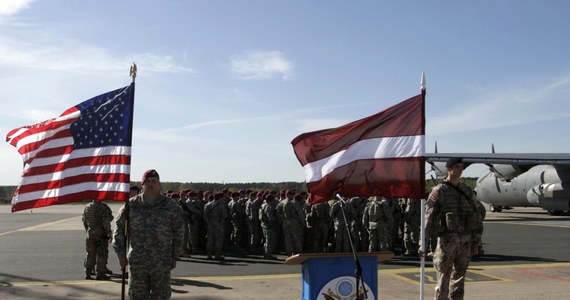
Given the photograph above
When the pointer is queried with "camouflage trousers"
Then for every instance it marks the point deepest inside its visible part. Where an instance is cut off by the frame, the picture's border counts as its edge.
(216, 235)
(320, 236)
(451, 260)
(293, 237)
(270, 237)
(149, 282)
(378, 238)
(97, 255)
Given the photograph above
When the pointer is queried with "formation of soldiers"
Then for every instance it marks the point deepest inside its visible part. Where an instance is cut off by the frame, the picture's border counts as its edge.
(270, 222)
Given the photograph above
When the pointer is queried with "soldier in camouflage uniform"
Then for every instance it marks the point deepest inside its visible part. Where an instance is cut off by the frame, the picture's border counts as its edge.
(269, 225)
(216, 217)
(293, 224)
(451, 211)
(193, 222)
(236, 208)
(155, 233)
(359, 232)
(319, 220)
(97, 217)
(412, 218)
(252, 207)
(375, 220)
(342, 229)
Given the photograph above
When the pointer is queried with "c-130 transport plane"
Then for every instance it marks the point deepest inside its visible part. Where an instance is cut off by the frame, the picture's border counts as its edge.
(517, 179)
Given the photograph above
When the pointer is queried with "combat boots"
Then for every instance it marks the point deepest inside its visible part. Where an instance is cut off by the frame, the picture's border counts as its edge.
(88, 273)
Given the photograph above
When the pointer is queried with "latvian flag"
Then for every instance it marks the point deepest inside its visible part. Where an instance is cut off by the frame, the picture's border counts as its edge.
(381, 155)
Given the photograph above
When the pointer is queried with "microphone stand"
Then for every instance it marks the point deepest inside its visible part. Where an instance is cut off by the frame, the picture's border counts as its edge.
(358, 266)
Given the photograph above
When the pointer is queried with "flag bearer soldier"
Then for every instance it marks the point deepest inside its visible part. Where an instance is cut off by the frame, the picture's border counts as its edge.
(452, 212)
(97, 217)
(216, 215)
(155, 234)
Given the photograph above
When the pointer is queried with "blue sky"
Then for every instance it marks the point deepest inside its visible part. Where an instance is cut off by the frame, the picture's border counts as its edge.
(224, 86)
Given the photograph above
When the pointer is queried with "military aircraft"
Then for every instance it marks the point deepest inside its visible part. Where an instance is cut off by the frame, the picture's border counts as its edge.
(516, 179)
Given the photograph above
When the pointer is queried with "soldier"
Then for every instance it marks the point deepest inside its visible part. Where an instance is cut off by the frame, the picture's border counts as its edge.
(375, 220)
(482, 213)
(411, 218)
(216, 215)
(359, 232)
(252, 207)
(193, 222)
(319, 220)
(237, 213)
(452, 212)
(186, 214)
(155, 235)
(341, 227)
(269, 225)
(293, 224)
(393, 219)
(97, 217)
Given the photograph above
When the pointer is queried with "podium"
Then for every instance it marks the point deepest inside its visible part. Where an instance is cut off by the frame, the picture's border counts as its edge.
(332, 275)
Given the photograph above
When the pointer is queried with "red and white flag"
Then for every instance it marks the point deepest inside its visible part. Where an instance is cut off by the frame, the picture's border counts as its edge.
(381, 155)
(83, 154)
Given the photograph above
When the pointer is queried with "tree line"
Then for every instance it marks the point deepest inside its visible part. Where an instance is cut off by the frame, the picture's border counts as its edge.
(7, 191)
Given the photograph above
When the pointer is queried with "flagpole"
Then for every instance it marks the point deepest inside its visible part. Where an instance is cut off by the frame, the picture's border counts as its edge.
(133, 74)
(422, 211)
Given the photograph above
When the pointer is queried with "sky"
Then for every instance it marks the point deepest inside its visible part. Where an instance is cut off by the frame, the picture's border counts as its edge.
(224, 86)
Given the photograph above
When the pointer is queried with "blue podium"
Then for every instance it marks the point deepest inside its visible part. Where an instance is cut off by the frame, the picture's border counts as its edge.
(332, 275)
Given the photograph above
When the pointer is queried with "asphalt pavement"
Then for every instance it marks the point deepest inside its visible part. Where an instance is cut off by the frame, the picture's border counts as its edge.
(42, 251)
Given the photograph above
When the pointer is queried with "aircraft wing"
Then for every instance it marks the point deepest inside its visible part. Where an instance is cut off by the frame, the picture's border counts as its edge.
(504, 158)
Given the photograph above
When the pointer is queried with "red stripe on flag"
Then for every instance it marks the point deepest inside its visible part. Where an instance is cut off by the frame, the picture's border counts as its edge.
(84, 195)
(391, 177)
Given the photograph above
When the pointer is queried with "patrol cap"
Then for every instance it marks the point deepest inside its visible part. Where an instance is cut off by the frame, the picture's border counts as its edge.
(148, 174)
(454, 160)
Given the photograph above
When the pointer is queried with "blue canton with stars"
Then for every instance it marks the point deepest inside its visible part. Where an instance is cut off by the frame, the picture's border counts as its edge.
(105, 120)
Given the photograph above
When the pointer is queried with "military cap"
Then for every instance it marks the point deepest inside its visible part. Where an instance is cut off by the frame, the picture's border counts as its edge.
(148, 174)
(454, 160)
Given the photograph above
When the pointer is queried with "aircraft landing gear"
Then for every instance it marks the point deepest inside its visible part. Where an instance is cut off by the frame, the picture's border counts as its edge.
(496, 208)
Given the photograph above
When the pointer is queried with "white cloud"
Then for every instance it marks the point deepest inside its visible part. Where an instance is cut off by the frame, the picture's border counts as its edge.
(12, 7)
(261, 65)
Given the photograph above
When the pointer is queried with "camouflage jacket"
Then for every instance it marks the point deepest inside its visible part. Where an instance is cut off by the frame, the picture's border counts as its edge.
(155, 231)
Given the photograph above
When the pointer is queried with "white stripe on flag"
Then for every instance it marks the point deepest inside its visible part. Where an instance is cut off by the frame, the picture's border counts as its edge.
(375, 148)
(71, 189)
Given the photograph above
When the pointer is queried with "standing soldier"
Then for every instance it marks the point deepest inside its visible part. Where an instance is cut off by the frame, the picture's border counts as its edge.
(452, 212)
(193, 222)
(375, 219)
(393, 219)
(359, 231)
(237, 215)
(269, 224)
(252, 207)
(412, 218)
(155, 240)
(293, 224)
(97, 219)
(341, 228)
(319, 219)
(216, 215)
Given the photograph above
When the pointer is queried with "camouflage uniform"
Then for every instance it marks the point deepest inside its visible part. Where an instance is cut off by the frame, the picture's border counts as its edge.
(375, 220)
(269, 224)
(155, 233)
(193, 224)
(319, 220)
(216, 216)
(393, 219)
(237, 212)
(342, 228)
(97, 217)
(454, 216)
(293, 224)
(359, 231)
(252, 207)
(412, 225)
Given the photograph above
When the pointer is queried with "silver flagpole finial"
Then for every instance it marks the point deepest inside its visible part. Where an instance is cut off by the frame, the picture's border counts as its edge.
(423, 82)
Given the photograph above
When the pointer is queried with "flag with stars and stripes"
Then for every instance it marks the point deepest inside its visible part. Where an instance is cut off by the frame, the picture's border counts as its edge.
(83, 154)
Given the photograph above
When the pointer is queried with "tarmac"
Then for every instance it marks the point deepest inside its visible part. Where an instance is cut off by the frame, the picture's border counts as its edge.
(520, 282)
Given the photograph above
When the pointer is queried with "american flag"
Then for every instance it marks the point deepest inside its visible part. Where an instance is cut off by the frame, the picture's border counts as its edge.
(83, 154)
